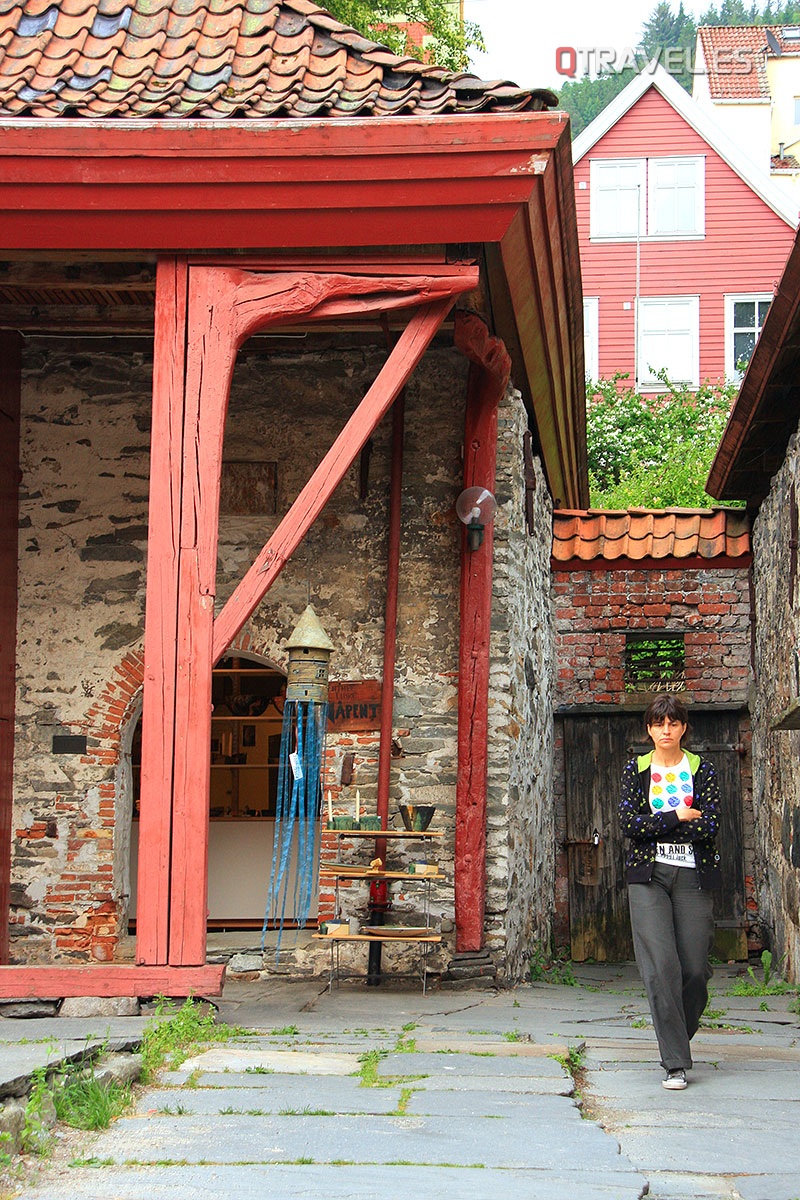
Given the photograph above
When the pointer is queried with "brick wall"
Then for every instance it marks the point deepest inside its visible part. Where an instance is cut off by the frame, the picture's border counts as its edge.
(595, 609)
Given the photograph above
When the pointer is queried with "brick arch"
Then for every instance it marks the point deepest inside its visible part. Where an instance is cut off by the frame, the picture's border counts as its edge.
(90, 900)
(86, 902)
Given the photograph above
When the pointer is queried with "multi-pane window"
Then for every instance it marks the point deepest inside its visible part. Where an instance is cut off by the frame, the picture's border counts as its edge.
(655, 662)
(647, 198)
(744, 320)
(669, 340)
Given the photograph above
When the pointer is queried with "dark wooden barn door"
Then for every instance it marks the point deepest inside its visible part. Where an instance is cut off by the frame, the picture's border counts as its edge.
(596, 748)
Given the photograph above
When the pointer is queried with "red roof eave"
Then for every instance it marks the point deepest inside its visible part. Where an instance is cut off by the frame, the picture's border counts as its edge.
(213, 185)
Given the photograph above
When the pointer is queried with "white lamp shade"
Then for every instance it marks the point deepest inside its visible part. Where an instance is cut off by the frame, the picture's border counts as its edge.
(476, 504)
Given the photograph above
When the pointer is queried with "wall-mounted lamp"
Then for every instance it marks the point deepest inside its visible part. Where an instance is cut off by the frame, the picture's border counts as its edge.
(475, 506)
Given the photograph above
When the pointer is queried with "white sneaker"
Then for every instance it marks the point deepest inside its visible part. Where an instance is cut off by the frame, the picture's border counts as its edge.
(675, 1080)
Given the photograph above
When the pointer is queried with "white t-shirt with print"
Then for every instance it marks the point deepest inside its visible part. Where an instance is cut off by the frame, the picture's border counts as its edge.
(671, 788)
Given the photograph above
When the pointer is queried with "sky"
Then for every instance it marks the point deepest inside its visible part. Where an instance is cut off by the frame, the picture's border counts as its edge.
(522, 35)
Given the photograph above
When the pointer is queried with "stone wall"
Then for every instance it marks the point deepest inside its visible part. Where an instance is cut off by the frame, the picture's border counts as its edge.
(520, 867)
(776, 753)
(82, 577)
(595, 608)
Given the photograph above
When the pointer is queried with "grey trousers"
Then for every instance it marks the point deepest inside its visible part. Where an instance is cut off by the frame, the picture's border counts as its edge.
(673, 934)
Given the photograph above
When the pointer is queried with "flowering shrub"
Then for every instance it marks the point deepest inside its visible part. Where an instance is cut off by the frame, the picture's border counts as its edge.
(653, 451)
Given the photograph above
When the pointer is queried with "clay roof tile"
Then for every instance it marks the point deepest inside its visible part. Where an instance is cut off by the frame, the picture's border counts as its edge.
(638, 534)
(243, 58)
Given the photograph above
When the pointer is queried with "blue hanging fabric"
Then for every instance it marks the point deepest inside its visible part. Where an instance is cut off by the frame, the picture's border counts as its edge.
(299, 798)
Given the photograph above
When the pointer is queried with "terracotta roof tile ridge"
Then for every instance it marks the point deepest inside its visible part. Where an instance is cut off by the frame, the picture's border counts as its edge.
(220, 58)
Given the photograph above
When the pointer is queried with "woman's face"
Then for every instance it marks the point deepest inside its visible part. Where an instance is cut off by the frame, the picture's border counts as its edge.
(666, 735)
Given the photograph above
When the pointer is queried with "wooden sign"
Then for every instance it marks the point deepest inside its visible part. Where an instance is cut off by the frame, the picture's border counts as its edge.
(354, 705)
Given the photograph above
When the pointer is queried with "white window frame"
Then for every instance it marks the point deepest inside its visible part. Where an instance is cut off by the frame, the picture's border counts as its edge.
(647, 382)
(731, 299)
(648, 170)
(599, 171)
(591, 336)
(659, 166)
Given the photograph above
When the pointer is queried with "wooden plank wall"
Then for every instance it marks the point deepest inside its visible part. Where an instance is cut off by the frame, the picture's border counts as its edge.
(10, 369)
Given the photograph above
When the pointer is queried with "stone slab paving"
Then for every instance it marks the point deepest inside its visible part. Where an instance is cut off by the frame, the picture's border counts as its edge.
(531, 1137)
(212, 1094)
(500, 1100)
(309, 1182)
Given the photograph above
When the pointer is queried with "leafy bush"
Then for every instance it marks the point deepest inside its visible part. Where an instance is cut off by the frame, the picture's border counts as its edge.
(653, 451)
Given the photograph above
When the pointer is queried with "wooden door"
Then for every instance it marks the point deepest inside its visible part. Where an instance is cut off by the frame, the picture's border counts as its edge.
(596, 748)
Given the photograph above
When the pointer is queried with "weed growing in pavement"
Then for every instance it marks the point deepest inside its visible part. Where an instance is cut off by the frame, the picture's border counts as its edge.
(36, 1137)
(405, 1044)
(545, 968)
(82, 1102)
(639, 1023)
(512, 1035)
(369, 1076)
(176, 1031)
(285, 1031)
(573, 1060)
(712, 1015)
(768, 985)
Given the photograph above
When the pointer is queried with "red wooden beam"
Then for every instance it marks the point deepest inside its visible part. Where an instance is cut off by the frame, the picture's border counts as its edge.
(410, 347)
(10, 385)
(180, 185)
(488, 378)
(122, 980)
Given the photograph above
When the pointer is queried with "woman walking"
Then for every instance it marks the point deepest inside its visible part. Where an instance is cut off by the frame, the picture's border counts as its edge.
(669, 811)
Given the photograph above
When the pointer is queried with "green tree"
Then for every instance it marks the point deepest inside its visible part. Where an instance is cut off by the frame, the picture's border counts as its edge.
(665, 30)
(585, 98)
(449, 39)
(653, 451)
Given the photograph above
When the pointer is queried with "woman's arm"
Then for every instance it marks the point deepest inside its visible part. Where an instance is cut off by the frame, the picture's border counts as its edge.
(637, 825)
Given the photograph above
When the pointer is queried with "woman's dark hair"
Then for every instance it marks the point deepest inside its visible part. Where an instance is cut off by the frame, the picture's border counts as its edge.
(665, 705)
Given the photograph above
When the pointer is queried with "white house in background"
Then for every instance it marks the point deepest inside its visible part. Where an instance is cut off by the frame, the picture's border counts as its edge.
(748, 78)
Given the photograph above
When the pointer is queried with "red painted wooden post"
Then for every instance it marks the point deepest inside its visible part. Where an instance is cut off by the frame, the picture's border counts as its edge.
(161, 613)
(488, 377)
(10, 372)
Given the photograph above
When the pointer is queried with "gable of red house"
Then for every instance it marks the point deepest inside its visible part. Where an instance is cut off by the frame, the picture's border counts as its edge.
(712, 235)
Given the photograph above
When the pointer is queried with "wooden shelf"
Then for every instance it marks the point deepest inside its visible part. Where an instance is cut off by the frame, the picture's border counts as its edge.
(244, 766)
(429, 939)
(356, 873)
(384, 833)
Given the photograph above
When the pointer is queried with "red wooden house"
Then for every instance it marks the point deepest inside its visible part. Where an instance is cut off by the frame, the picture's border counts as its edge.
(682, 240)
(228, 240)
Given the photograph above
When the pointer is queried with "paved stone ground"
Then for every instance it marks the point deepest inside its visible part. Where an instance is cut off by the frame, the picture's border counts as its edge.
(467, 1099)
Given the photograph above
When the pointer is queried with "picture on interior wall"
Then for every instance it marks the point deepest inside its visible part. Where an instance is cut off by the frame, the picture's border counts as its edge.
(248, 735)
